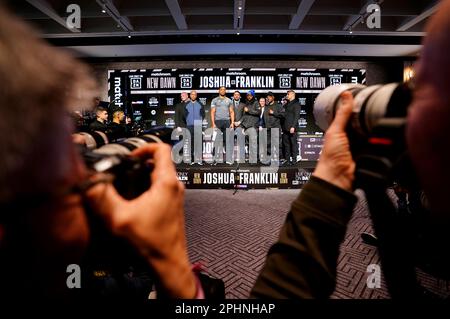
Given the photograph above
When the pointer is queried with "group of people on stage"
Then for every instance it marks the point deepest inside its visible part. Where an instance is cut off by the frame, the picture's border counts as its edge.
(254, 112)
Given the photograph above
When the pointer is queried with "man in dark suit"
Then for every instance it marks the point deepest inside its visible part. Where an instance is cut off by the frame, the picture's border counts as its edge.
(291, 117)
(251, 112)
(180, 111)
(273, 116)
(238, 108)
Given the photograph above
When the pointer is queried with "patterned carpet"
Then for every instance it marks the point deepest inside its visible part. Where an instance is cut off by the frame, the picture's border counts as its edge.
(230, 234)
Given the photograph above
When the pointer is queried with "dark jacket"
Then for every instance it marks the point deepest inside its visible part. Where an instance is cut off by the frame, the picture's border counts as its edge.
(117, 131)
(238, 110)
(251, 117)
(302, 263)
(202, 110)
(181, 113)
(273, 120)
(291, 116)
(98, 126)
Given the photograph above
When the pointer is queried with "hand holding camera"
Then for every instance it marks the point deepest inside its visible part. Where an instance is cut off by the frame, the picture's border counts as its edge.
(336, 164)
(154, 221)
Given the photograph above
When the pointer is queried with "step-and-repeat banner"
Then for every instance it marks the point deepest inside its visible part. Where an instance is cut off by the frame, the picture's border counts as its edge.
(150, 95)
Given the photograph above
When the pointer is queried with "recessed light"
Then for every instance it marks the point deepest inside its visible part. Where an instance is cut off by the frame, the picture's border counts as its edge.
(103, 11)
(240, 8)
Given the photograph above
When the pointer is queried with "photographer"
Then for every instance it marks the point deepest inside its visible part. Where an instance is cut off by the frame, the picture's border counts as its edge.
(302, 264)
(100, 122)
(45, 191)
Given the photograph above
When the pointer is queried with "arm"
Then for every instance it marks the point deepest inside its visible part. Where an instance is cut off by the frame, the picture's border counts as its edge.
(253, 109)
(213, 114)
(231, 110)
(153, 222)
(302, 264)
(278, 111)
(296, 115)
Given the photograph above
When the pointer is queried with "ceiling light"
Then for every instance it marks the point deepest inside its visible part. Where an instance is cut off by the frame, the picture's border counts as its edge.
(351, 31)
(237, 33)
(240, 8)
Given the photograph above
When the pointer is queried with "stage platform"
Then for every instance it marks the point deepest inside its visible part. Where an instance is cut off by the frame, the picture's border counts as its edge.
(244, 176)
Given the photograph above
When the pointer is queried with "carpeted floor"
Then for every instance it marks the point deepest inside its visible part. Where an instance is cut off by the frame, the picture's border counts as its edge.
(230, 234)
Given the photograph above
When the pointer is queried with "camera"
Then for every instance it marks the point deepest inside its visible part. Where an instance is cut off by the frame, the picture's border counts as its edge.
(109, 258)
(374, 105)
(131, 174)
(376, 129)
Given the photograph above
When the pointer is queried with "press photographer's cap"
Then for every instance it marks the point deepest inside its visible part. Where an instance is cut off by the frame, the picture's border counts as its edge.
(290, 91)
(251, 92)
(270, 94)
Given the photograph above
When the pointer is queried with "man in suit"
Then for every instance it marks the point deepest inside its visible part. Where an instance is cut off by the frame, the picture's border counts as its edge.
(291, 117)
(180, 111)
(274, 116)
(238, 108)
(250, 117)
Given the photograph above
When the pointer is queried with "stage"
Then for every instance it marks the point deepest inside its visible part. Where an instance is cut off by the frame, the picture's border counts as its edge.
(244, 176)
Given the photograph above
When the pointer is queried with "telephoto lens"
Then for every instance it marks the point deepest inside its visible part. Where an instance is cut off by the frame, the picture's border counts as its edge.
(371, 104)
(94, 139)
(131, 174)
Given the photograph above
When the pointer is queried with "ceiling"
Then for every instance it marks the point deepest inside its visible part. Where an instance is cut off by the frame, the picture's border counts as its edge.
(106, 23)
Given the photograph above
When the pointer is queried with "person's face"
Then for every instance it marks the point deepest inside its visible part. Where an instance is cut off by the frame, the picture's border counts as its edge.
(222, 91)
(270, 99)
(103, 115)
(193, 95)
(184, 96)
(249, 97)
(262, 102)
(290, 96)
(121, 116)
(236, 96)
